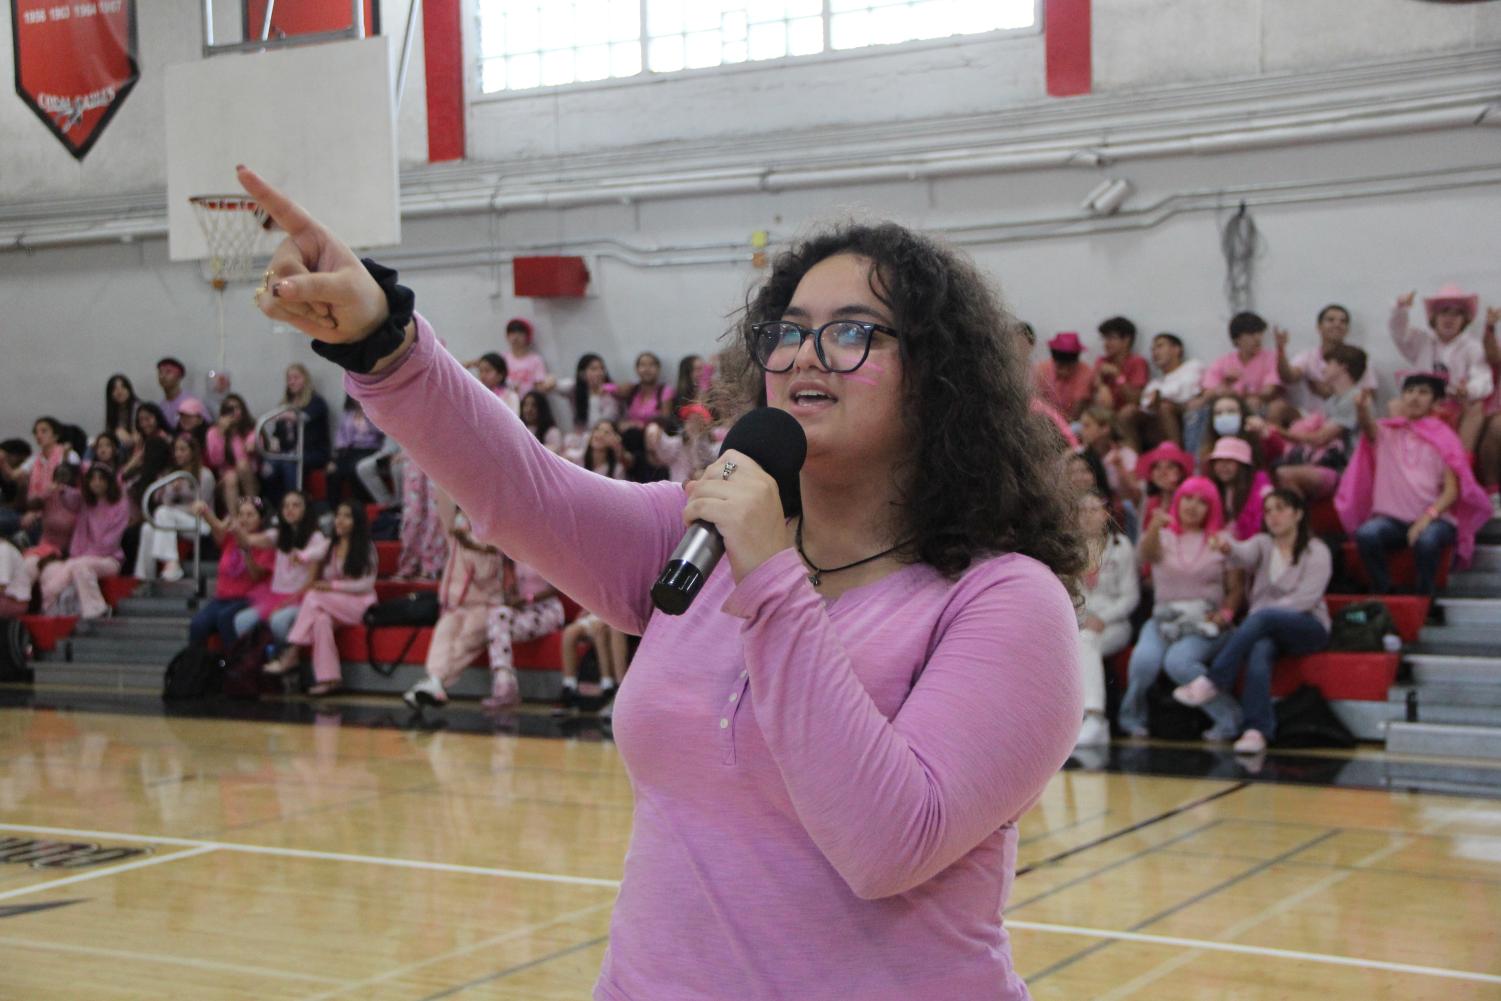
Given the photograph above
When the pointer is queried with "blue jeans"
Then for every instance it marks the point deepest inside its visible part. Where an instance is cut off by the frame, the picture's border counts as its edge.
(217, 615)
(1381, 535)
(1184, 660)
(1254, 647)
(280, 622)
(1195, 426)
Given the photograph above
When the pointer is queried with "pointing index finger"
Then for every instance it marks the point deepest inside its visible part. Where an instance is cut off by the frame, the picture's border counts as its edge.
(286, 213)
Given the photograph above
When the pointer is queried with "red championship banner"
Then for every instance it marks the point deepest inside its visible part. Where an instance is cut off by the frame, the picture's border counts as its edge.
(75, 62)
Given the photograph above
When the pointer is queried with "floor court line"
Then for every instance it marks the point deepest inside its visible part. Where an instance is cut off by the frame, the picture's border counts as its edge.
(444, 957)
(1257, 950)
(304, 853)
(133, 955)
(1048, 928)
(110, 871)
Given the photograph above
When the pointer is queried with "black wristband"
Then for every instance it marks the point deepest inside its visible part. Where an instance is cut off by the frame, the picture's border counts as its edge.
(362, 355)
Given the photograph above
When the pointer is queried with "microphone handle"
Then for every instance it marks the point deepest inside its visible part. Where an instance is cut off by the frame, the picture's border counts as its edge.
(689, 566)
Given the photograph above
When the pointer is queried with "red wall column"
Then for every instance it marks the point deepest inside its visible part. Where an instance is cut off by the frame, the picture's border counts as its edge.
(1066, 32)
(443, 51)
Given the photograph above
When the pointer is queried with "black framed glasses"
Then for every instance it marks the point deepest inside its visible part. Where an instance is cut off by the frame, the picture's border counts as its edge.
(841, 345)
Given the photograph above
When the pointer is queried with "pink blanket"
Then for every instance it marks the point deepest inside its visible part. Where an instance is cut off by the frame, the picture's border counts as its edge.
(1471, 511)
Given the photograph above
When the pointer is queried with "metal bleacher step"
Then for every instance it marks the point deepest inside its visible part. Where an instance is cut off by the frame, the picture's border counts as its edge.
(121, 629)
(1487, 559)
(152, 607)
(1448, 692)
(1470, 639)
(1473, 584)
(1454, 668)
(95, 649)
(1450, 740)
(110, 675)
(1481, 610)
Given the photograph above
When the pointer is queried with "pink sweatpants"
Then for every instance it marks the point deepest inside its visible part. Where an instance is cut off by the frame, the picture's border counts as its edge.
(424, 547)
(320, 612)
(507, 625)
(83, 573)
(458, 638)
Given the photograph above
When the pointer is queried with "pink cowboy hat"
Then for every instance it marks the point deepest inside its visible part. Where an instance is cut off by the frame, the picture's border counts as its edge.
(1452, 295)
(1166, 452)
(1230, 447)
(1067, 343)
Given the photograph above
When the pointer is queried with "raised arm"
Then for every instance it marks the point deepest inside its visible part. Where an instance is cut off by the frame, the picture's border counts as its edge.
(1409, 339)
(600, 541)
(893, 802)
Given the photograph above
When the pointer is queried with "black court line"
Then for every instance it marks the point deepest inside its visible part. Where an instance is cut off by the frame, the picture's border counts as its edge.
(1139, 825)
(1197, 898)
(510, 970)
(1466, 878)
(1044, 835)
(1011, 909)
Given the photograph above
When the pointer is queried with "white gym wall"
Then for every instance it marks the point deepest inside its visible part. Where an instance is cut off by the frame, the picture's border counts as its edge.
(1375, 181)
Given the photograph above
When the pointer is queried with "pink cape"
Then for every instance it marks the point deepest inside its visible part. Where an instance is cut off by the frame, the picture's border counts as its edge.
(1471, 511)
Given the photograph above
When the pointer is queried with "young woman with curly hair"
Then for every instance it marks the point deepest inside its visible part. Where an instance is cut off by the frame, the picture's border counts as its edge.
(831, 747)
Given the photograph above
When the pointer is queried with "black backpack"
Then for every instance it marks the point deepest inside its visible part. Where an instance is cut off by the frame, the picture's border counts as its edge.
(192, 674)
(1360, 626)
(1304, 719)
(1169, 719)
(15, 650)
(414, 610)
(244, 675)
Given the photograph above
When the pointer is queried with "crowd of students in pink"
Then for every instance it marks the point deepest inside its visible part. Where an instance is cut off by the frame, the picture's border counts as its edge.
(298, 557)
(1200, 480)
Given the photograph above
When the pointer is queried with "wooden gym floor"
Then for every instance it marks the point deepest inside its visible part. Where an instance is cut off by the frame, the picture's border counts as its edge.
(372, 860)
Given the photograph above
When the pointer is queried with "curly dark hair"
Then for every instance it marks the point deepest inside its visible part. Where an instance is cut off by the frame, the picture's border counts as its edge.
(986, 473)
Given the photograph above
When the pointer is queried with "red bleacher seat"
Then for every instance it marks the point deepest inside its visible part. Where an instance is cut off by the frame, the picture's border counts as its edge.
(47, 631)
(315, 485)
(117, 589)
(372, 511)
(1402, 568)
(387, 555)
(1361, 677)
(1323, 519)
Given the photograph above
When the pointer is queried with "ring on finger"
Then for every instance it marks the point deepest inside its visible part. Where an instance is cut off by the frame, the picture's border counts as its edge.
(729, 467)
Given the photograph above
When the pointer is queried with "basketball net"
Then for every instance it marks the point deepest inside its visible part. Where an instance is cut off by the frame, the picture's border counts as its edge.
(232, 226)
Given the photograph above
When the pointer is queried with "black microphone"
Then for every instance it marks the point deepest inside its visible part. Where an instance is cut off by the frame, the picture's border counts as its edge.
(775, 440)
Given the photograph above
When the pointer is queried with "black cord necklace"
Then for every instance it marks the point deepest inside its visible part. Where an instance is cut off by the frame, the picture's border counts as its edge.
(816, 577)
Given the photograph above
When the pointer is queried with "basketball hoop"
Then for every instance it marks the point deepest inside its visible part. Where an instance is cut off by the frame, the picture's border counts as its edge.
(232, 226)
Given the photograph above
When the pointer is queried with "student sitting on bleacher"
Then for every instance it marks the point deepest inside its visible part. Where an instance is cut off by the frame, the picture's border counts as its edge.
(94, 550)
(299, 548)
(1288, 617)
(344, 588)
(1409, 484)
(473, 581)
(1111, 590)
(611, 650)
(1190, 575)
(1446, 348)
(530, 609)
(15, 581)
(173, 513)
(1242, 484)
(1321, 437)
(244, 571)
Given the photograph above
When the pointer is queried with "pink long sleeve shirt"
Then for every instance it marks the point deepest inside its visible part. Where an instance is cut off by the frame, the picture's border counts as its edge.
(826, 792)
(99, 529)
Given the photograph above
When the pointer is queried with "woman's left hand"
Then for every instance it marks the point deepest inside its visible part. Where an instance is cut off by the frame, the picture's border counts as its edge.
(746, 508)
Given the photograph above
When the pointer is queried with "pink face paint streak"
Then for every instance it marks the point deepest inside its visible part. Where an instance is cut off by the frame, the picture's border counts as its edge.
(855, 376)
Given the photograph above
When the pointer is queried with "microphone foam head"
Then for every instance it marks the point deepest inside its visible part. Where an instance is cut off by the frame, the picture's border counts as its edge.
(776, 441)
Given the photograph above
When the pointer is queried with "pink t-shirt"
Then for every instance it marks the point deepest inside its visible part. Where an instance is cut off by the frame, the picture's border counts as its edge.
(644, 406)
(825, 792)
(289, 576)
(1067, 395)
(1409, 474)
(1134, 371)
(1245, 377)
(523, 374)
(1190, 568)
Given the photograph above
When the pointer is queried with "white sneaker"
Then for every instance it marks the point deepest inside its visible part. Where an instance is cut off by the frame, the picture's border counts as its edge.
(1250, 742)
(1095, 731)
(1197, 692)
(427, 692)
(172, 571)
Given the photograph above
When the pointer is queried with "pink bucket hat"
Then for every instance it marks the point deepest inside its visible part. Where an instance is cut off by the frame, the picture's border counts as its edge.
(1067, 343)
(1452, 295)
(192, 405)
(1230, 447)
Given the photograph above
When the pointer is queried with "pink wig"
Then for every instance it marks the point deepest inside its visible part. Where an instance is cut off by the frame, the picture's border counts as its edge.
(1203, 488)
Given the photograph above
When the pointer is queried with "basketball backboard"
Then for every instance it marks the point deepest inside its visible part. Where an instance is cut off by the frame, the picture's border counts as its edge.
(315, 120)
